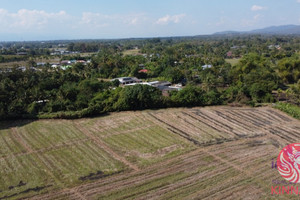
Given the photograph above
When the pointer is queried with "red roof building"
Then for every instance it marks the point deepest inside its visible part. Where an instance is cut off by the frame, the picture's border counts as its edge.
(143, 71)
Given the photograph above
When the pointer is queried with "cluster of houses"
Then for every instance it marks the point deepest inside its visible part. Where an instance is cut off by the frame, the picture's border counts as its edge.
(163, 86)
(274, 46)
(64, 64)
(63, 52)
(238, 47)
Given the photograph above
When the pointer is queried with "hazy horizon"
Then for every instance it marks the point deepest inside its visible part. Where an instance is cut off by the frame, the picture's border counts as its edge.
(35, 20)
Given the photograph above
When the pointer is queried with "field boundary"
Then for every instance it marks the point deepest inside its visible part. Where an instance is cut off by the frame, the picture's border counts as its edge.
(105, 147)
(21, 140)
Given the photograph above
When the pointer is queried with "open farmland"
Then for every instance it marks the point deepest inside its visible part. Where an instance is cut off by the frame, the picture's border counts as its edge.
(233, 61)
(184, 153)
(131, 52)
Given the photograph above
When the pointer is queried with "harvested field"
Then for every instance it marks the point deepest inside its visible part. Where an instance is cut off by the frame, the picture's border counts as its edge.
(184, 153)
(137, 137)
(131, 52)
(233, 61)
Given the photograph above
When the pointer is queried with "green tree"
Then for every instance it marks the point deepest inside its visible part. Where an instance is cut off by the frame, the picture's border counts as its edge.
(138, 97)
(188, 96)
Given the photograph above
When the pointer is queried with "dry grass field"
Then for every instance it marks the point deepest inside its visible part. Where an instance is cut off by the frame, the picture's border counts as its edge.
(182, 153)
(233, 61)
(131, 52)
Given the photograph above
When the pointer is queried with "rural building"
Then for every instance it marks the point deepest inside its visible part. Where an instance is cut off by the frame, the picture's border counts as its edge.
(81, 61)
(55, 65)
(163, 86)
(229, 54)
(127, 80)
(22, 68)
(206, 66)
(160, 84)
(40, 64)
(22, 53)
(272, 46)
(143, 71)
(65, 62)
(142, 66)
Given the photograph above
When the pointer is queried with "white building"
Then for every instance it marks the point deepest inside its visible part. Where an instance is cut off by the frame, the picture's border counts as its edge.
(127, 80)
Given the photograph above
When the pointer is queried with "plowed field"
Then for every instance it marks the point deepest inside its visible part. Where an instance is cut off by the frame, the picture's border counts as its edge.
(196, 153)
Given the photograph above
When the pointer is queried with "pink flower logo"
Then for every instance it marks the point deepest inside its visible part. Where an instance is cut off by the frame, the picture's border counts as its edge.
(288, 162)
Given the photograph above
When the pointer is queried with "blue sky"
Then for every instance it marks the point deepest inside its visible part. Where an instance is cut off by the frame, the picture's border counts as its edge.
(99, 19)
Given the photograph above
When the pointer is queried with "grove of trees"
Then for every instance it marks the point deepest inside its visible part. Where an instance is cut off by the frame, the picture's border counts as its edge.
(84, 90)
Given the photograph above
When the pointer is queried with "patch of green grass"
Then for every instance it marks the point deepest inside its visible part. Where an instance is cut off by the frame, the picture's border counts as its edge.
(131, 52)
(58, 156)
(74, 162)
(61, 156)
(208, 158)
(57, 168)
(28, 169)
(43, 134)
(12, 64)
(9, 144)
(148, 145)
(233, 61)
(290, 109)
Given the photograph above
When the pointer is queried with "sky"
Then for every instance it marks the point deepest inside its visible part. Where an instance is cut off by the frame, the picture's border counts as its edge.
(23, 20)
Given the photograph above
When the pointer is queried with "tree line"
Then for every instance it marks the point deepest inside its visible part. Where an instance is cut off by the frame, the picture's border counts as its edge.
(81, 90)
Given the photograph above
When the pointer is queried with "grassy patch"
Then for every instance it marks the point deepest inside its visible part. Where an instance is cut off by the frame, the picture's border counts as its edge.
(47, 155)
(72, 163)
(131, 52)
(12, 64)
(290, 109)
(23, 175)
(9, 144)
(44, 134)
(26, 169)
(148, 145)
(233, 61)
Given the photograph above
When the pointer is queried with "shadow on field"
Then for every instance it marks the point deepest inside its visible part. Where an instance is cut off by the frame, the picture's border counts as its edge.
(7, 124)
(11, 123)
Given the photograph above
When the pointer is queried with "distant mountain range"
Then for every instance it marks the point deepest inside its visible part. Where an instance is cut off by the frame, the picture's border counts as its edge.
(273, 30)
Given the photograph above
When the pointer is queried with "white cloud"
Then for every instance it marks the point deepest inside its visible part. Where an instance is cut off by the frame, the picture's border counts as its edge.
(167, 19)
(30, 19)
(100, 20)
(256, 17)
(27, 24)
(134, 19)
(95, 19)
(257, 8)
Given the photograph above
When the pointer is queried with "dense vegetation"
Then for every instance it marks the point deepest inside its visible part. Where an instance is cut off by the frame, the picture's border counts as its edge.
(264, 64)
